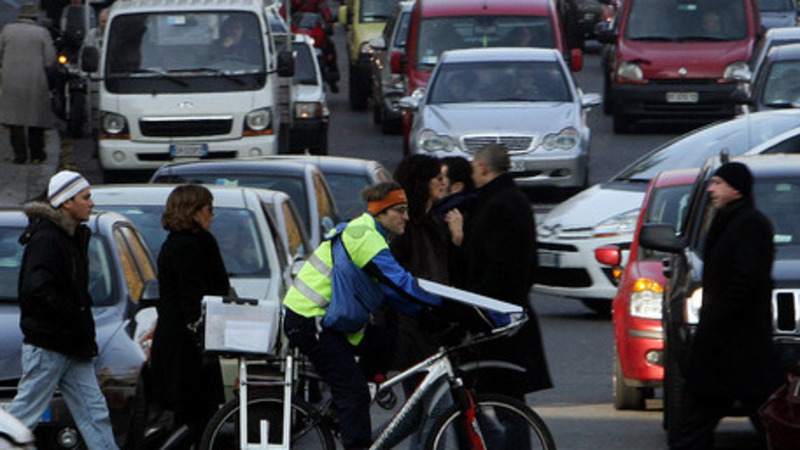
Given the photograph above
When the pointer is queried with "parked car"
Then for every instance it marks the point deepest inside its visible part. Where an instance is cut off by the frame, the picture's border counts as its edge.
(776, 191)
(387, 79)
(675, 60)
(606, 213)
(522, 98)
(302, 180)
(440, 25)
(346, 177)
(122, 280)
(309, 125)
(636, 310)
(775, 85)
(364, 19)
(778, 13)
(14, 435)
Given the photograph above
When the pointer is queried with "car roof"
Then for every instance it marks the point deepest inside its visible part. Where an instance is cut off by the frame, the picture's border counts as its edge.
(14, 216)
(782, 33)
(784, 52)
(137, 6)
(500, 54)
(329, 163)
(676, 177)
(154, 194)
(766, 166)
(482, 7)
(259, 165)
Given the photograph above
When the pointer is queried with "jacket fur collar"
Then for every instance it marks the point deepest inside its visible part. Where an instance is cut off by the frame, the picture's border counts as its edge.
(40, 210)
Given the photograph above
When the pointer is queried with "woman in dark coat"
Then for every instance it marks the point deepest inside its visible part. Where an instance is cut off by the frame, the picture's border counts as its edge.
(500, 244)
(190, 266)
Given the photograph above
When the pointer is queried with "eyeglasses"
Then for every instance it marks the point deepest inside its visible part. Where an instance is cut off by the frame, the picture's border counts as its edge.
(400, 209)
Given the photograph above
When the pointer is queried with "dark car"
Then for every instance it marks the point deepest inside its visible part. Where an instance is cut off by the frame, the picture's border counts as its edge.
(302, 180)
(777, 194)
(775, 83)
(122, 278)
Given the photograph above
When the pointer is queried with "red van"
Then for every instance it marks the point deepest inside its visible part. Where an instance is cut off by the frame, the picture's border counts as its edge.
(439, 25)
(675, 59)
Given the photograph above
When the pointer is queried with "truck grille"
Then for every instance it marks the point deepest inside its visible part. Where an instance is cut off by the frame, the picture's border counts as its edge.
(786, 311)
(514, 144)
(157, 127)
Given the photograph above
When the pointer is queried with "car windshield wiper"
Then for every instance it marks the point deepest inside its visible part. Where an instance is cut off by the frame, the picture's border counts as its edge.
(221, 73)
(653, 38)
(701, 39)
(159, 73)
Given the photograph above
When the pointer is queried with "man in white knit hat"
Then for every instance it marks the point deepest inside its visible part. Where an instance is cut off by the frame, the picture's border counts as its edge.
(55, 312)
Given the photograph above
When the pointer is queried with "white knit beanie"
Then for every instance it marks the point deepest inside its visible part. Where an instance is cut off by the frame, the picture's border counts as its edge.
(64, 185)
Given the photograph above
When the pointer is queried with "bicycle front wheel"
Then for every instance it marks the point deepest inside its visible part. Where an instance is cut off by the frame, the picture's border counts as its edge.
(309, 431)
(504, 423)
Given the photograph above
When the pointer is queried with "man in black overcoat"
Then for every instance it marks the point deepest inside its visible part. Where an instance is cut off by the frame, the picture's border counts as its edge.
(731, 357)
(500, 243)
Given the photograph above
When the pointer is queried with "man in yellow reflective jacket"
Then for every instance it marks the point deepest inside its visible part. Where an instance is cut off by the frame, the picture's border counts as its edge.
(332, 352)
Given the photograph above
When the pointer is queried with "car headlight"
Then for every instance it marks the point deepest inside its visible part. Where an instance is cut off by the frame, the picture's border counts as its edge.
(429, 141)
(566, 139)
(691, 310)
(629, 71)
(646, 297)
(114, 123)
(259, 121)
(620, 224)
(307, 110)
(733, 68)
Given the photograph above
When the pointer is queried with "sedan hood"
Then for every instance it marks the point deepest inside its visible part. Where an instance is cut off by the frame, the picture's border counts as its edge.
(594, 205)
(506, 117)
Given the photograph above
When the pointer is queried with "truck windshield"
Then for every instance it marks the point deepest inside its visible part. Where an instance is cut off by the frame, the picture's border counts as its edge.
(686, 20)
(185, 52)
(438, 34)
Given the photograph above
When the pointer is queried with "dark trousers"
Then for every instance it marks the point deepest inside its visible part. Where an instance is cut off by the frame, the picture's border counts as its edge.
(703, 414)
(335, 360)
(35, 141)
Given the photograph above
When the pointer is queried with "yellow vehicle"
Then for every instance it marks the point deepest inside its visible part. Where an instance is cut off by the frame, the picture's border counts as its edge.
(365, 20)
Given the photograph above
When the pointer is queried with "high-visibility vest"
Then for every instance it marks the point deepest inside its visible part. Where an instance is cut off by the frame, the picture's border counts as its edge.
(310, 292)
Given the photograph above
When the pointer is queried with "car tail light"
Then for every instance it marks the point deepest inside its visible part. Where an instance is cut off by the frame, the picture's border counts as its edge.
(646, 297)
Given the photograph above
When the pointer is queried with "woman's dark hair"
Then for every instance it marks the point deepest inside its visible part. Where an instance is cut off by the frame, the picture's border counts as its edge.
(459, 169)
(183, 202)
(414, 173)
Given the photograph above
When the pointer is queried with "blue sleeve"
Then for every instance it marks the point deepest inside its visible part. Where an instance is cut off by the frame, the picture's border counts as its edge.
(400, 287)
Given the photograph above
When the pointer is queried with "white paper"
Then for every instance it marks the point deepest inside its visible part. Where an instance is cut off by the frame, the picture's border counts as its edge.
(469, 298)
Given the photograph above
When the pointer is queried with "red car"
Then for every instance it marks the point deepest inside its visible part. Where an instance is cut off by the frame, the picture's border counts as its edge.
(638, 333)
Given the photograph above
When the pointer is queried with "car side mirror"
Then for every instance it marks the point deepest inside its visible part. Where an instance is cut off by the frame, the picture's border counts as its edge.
(409, 103)
(576, 59)
(660, 237)
(590, 100)
(90, 58)
(377, 43)
(396, 62)
(285, 64)
(150, 294)
(609, 255)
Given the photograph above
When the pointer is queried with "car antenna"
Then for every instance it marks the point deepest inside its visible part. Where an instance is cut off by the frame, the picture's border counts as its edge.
(724, 156)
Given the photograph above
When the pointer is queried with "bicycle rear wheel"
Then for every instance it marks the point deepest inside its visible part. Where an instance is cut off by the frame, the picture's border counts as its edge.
(309, 431)
(504, 422)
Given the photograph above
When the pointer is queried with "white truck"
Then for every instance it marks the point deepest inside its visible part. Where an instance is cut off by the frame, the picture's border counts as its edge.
(185, 79)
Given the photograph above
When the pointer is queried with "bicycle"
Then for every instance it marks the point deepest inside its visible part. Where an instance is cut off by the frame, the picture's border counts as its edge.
(473, 421)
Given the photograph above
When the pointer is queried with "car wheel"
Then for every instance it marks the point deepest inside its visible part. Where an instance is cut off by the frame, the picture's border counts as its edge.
(601, 307)
(675, 394)
(626, 397)
(622, 124)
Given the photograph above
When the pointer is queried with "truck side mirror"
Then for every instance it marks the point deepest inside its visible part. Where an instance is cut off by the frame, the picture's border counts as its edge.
(396, 63)
(285, 64)
(90, 58)
(660, 237)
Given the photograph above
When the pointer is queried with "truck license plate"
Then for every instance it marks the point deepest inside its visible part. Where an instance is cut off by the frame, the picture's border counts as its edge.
(547, 259)
(188, 150)
(682, 97)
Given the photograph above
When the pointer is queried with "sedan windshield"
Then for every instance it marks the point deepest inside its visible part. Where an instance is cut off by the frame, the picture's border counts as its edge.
(781, 88)
(503, 81)
(686, 20)
(438, 34)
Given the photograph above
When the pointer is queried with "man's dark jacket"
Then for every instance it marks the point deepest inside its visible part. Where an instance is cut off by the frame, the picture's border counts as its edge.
(500, 244)
(732, 353)
(55, 305)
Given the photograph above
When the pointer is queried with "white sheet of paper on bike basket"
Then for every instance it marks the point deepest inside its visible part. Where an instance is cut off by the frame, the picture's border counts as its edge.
(469, 298)
(238, 325)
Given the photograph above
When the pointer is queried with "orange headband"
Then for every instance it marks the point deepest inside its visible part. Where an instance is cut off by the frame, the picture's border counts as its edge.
(394, 197)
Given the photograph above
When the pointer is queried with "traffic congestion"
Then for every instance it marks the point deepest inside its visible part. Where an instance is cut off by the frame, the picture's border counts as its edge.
(615, 116)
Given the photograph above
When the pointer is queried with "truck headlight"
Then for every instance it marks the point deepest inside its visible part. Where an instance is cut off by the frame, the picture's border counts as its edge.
(429, 141)
(691, 310)
(646, 297)
(620, 224)
(113, 123)
(258, 121)
(307, 110)
(566, 139)
(733, 68)
(628, 71)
